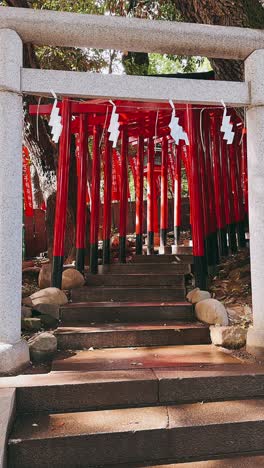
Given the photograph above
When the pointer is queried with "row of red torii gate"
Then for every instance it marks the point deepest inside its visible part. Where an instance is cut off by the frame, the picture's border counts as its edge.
(216, 174)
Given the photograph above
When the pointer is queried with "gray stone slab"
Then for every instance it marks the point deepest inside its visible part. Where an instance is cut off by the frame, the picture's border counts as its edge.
(44, 27)
(136, 88)
(7, 412)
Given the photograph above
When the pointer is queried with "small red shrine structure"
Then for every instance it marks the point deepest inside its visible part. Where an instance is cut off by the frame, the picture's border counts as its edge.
(216, 174)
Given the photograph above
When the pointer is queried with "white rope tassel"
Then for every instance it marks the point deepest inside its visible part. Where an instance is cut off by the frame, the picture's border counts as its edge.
(177, 131)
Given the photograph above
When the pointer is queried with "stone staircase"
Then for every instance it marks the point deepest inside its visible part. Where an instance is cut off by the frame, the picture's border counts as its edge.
(137, 383)
(136, 304)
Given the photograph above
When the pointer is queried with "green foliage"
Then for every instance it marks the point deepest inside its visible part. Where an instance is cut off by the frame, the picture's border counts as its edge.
(91, 60)
(254, 14)
(74, 6)
(170, 64)
(70, 59)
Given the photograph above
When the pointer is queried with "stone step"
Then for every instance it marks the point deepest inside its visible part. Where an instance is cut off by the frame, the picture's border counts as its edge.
(128, 294)
(79, 391)
(74, 336)
(86, 312)
(165, 259)
(135, 279)
(145, 268)
(247, 461)
(253, 461)
(108, 359)
(183, 250)
(177, 433)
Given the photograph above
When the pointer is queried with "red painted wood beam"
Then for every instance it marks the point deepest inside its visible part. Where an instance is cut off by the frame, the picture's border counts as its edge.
(150, 196)
(196, 203)
(62, 194)
(107, 200)
(177, 193)
(139, 194)
(164, 193)
(123, 195)
(81, 193)
(212, 240)
(215, 137)
(95, 201)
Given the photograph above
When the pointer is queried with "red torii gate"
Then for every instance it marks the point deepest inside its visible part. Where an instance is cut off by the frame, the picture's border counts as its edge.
(216, 174)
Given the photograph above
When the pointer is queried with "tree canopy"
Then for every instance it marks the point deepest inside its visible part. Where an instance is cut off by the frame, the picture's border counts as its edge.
(243, 13)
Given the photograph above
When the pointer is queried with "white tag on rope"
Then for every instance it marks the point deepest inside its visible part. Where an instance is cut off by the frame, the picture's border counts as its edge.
(227, 127)
(113, 128)
(177, 131)
(55, 120)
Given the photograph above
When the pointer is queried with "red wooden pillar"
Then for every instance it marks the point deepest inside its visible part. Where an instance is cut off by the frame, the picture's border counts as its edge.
(200, 269)
(177, 194)
(227, 197)
(123, 195)
(202, 177)
(164, 193)
(219, 205)
(244, 171)
(139, 194)
(237, 194)
(156, 198)
(95, 201)
(107, 200)
(233, 173)
(241, 223)
(150, 196)
(212, 245)
(81, 193)
(62, 194)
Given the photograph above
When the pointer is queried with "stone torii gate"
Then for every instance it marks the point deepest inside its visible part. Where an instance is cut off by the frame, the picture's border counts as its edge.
(18, 26)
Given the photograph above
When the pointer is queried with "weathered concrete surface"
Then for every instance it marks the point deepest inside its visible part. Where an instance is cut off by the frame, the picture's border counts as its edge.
(141, 358)
(138, 434)
(44, 27)
(87, 312)
(13, 352)
(75, 391)
(114, 335)
(13, 357)
(254, 72)
(229, 337)
(64, 391)
(136, 88)
(7, 410)
(254, 461)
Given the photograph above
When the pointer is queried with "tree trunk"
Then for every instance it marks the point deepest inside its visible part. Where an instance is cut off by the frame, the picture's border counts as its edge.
(242, 13)
(44, 155)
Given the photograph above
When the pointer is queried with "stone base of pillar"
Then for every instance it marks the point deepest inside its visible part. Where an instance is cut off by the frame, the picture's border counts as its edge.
(164, 250)
(255, 342)
(13, 357)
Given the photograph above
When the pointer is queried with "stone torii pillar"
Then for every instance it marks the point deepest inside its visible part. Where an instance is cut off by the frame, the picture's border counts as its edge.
(254, 74)
(13, 351)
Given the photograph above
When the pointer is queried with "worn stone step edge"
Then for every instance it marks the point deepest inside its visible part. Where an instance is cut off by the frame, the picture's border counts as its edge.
(75, 391)
(175, 433)
(247, 461)
(126, 294)
(72, 337)
(154, 268)
(126, 312)
(135, 279)
(164, 259)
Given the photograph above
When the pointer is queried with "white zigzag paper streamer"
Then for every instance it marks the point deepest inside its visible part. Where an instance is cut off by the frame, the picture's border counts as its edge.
(113, 128)
(55, 120)
(227, 127)
(177, 131)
